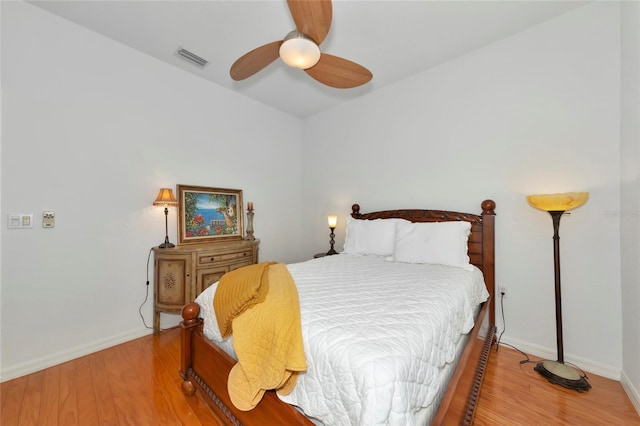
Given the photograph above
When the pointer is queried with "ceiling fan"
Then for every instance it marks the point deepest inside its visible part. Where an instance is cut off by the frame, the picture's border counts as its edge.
(300, 49)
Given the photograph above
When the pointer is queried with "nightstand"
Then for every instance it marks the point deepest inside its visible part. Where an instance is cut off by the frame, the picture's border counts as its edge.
(181, 273)
(317, 255)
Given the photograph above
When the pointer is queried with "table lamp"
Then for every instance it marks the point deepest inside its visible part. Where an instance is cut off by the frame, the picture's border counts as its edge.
(333, 221)
(166, 199)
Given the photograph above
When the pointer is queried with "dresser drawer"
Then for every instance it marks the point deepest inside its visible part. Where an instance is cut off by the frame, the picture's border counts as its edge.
(211, 258)
(240, 264)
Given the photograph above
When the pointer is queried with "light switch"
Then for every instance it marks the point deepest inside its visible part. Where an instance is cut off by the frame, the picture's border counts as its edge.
(14, 221)
(48, 219)
(20, 221)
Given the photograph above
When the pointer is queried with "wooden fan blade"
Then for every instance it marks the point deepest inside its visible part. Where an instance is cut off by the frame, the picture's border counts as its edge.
(339, 72)
(312, 17)
(252, 62)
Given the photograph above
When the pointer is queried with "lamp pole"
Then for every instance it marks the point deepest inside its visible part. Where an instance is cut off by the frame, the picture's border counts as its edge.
(555, 216)
(332, 242)
(166, 243)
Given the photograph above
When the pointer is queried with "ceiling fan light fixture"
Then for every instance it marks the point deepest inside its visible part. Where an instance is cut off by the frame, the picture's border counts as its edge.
(299, 51)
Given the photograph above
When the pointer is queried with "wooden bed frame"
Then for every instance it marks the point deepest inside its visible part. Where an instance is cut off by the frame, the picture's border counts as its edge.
(205, 366)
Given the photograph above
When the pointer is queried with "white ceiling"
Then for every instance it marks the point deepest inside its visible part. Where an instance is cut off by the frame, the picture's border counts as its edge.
(393, 39)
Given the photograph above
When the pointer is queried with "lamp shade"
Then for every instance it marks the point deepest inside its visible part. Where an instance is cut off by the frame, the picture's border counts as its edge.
(165, 198)
(332, 220)
(558, 202)
(299, 51)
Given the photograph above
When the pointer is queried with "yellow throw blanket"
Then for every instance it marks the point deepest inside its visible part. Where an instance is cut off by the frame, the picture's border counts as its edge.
(259, 305)
(237, 291)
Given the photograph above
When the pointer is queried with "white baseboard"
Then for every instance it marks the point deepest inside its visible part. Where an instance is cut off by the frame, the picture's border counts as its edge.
(634, 394)
(64, 356)
(582, 363)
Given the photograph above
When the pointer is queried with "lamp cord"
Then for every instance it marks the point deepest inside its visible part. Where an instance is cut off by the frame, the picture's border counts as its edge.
(146, 296)
(504, 328)
(527, 359)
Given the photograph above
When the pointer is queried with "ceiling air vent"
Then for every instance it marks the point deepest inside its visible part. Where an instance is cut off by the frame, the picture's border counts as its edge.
(192, 57)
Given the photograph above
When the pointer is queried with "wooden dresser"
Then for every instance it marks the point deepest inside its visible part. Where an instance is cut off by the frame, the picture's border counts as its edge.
(181, 273)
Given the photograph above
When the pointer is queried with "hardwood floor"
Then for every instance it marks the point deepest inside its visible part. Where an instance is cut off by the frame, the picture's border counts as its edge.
(137, 383)
(514, 394)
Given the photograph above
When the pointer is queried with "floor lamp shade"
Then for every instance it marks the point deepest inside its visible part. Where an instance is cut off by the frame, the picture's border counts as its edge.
(558, 202)
(556, 205)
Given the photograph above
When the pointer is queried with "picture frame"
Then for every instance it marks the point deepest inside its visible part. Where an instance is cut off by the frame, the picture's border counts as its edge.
(209, 214)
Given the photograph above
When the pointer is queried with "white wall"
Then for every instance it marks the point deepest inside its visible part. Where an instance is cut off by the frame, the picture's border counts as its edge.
(534, 113)
(630, 193)
(92, 129)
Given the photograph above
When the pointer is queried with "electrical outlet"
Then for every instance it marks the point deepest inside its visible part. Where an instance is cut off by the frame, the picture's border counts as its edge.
(503, 292)
(48, 219)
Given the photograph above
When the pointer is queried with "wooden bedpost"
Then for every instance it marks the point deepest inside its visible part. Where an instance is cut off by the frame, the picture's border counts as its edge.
(488, 256)
(189, 323)
(355, 211)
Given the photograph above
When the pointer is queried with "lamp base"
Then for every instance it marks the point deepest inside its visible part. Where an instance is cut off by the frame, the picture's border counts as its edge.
(562, 374)
(166, 245)
(331, 252)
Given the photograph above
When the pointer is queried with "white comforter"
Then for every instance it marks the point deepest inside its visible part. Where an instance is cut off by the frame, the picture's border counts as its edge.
(375, 335)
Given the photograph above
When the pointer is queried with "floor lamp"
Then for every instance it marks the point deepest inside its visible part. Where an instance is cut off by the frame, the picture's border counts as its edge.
(558, 372)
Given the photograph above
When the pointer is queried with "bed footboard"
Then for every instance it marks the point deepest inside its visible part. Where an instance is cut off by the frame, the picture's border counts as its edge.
(205, 367)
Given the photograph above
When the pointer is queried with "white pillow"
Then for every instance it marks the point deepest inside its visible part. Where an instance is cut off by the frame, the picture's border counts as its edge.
(370, 237)
(442, 243)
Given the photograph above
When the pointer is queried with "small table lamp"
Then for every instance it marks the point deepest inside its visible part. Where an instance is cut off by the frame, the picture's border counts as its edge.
(167, 199)
(558, 372)
(333, 221)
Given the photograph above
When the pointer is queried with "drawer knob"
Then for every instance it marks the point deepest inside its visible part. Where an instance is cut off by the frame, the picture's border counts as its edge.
(212, 259)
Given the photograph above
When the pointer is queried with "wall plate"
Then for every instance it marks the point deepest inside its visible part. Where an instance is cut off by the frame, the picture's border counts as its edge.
(48, 219)
(19, 221)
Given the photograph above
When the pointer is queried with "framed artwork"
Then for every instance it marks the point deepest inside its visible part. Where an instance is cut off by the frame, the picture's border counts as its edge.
(209, 214)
